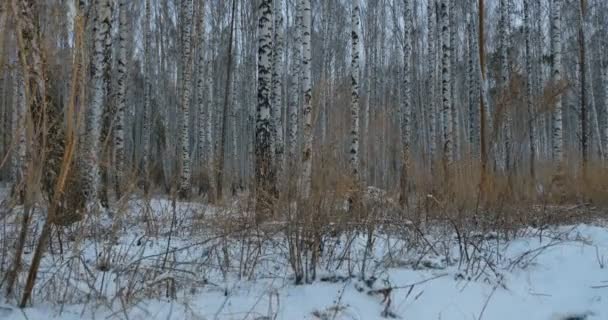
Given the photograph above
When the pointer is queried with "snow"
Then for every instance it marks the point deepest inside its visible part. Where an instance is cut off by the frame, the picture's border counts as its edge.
(561, 274)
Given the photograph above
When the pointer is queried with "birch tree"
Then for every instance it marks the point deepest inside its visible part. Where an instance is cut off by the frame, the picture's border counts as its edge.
(584, 117)
(485, 124)
(432, 56)
(504, 80)
(556, 75)
(184, 179)
(119, 122)
(219, 180)
(355, 79)
(473, 85)
(202, 96)
(529, 89)
(307, 107)
(93, 116)
(263, 150)
(147, 112)
(277, 87)
(406, 108)
(19, 139)
(446, 103)
(294, 89)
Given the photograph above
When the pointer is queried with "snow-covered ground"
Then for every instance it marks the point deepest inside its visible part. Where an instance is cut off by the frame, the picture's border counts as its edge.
(559, 274)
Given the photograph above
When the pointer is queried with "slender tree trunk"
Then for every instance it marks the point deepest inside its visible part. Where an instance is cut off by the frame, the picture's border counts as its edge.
(121, 95)
(453, 22)
(556, 74)
(307, 107)
(504, 83)
(185, 174)
(210, 135)
(19, 137)
(202, 95)
(94, 114)
(277, 88)
(432, 55)
(355, 79)
(473, 87)
(406, 106)
(264, 174)
(107, 118)
(529, 89)
(294, 90)
(147, 112)
(219, 180)
(446, 103)
(484, 107)
(583, 86)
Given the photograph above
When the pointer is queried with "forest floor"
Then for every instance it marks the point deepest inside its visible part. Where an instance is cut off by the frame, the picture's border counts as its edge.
(159, 265)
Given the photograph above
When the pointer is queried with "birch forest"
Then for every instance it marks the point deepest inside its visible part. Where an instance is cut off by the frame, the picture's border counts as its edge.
(153, 150)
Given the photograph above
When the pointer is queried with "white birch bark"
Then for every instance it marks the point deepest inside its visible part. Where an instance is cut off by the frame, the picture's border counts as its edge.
(147, 112)
(556, 75)
(529, 88)
(453, 73)
(355, 80)
(294, 107)
(504, 81)
(92, 139)
(406, 104)
(184, 180)
(235, 111)
(18, 124)
(473, 86)
(263, 149)
(209, 134)
(432, 56)
(584, 105)
(307, 107)
(119, 122)
(446, 102)
(277, 87)
(200, 87)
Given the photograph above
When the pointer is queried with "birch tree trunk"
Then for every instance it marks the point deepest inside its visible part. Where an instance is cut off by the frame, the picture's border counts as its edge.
(19, 137)
(504, 83)
(119, 122)
(583, 87)
(201, 96)
(92, 139)
(529, 89)
(106, 117)
(294, 90)
(446, 102)
(406, 108)
(147, 112)
(432, 55)
(219, 180)
(485, 126)
(473, 87)
(184, 180)
(277, 88)
(355, 79)
(556, 75)
(263, 150)
(307, 107)
(209, 134)
(453, 22)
